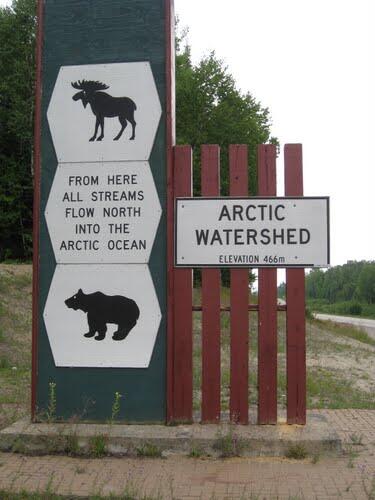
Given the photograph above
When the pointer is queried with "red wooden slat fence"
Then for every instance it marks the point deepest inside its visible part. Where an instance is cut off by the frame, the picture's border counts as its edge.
(295, 314)
(183, 304)
(267, 298)
(239, 299)
(211, 280)
(180, 366)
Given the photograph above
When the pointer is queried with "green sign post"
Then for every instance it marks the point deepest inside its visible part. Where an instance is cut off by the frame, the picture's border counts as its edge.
(104, 128)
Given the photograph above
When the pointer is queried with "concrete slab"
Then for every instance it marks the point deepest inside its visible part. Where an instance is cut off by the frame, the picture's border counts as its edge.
(316, 437)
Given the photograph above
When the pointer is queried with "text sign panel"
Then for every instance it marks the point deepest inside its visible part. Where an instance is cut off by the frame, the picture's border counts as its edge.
(103, 214)
(252, 232)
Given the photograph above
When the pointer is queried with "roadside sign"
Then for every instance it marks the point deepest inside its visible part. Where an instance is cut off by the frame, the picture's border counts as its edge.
(104, 132)
(252, 232)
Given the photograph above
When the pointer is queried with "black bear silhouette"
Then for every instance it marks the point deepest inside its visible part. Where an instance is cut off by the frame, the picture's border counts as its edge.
(102, 309)
(104, 105)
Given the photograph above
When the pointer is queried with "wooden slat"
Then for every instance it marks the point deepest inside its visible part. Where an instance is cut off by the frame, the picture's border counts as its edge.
(267, 293)
(239, 296)
(295, 296)
(36, 207)
(210, 160)
(183, 303)
(170, 142)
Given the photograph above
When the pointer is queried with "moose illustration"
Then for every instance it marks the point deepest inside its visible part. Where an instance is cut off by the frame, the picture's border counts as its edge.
(104, 105)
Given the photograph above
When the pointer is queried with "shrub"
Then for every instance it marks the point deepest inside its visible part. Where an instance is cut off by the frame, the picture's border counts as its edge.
(355, 308)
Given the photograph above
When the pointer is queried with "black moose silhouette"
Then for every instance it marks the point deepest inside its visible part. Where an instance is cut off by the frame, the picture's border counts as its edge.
(104, 105)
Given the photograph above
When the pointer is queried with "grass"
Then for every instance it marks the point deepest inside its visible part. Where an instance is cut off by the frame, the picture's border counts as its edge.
(98, 446)
(329, 388)
(229, 444)
(341, 330)
(196, 451)
(296, 452)
(343, 308)
(15, 341)
(149, 450)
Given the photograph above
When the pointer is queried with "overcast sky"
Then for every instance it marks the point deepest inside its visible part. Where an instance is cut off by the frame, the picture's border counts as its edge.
(311, 63)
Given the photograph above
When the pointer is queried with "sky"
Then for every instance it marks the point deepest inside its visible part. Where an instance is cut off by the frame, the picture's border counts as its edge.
(311, 63)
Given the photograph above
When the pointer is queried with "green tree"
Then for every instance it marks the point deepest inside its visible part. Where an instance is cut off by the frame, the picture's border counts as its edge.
(366, 283)
(17, 69)
(212, 110)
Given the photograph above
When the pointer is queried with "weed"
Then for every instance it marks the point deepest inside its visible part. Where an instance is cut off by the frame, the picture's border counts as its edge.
(48, 488)
(51, 409)
(4, 364)
(349, 331)
(332, 389)
(315, 458)
(149, 450)
(308, 314)
(369, 489)
(80, 470)
(352, 456)
(356, 439)
(18, 446)
(229, 444)
(196, 451)
(72, 445)
(98, 445)
(116, 406)
(296, 451)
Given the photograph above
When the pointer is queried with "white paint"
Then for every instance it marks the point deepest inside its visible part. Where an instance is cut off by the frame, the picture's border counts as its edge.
(239, 224)
(65, 327)
(72, 125)
(94, 237)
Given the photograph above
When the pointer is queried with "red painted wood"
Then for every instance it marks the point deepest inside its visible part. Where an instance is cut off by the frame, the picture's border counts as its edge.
(267, 315)
(239, 297)
(295, 296)
(211, 280)
(36, 208)
(170, 142)
(183, 304)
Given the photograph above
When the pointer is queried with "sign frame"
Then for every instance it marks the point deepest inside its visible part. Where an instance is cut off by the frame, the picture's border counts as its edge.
(252, 265)
(59, 33)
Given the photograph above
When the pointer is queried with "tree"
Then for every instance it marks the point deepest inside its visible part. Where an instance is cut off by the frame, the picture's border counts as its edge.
(17, 63)
(351, 281)
(211, 110)
(366, 283)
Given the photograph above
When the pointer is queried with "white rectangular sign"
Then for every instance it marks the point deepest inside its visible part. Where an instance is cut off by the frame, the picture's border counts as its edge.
(252, 232)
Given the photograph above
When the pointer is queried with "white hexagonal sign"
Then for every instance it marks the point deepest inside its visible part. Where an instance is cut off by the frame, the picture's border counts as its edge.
(102, 316)
(104, 112)
(103, 213)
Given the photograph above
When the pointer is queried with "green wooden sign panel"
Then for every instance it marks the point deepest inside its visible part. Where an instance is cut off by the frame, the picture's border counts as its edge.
(79, 36)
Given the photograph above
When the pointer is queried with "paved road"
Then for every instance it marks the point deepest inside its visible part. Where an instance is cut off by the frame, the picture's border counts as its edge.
(366, 324)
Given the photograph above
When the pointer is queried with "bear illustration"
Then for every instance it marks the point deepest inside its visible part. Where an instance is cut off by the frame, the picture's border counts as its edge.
(102, 309)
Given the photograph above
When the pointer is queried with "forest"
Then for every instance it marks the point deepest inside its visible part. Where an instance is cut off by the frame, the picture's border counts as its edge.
(346, 289)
